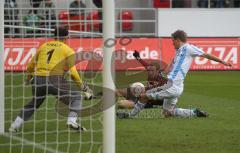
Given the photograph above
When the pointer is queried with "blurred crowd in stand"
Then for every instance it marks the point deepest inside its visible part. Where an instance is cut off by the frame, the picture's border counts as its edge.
(43, 14)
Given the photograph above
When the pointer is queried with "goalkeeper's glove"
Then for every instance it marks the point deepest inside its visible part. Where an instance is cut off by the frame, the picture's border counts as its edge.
(136, 55)
(88, 93)
(84, 87)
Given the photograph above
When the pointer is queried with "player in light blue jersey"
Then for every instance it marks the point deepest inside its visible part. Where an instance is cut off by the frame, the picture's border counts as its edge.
(171, 91)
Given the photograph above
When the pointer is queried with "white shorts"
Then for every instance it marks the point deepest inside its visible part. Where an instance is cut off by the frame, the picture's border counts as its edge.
(170, 97)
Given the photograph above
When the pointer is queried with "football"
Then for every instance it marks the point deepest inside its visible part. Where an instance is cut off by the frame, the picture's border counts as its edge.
(137, 89)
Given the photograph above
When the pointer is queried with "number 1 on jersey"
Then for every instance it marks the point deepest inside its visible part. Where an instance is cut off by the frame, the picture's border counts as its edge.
(49, 53)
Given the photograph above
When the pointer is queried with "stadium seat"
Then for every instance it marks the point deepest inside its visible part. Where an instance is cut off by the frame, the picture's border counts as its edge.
(65, 17)
(161, 3)
(94, 25)
(126, 25)
(78, 26)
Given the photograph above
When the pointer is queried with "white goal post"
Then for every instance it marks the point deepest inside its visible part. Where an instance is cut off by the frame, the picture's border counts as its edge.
(108, 76)
(2, 67)
(108, 81)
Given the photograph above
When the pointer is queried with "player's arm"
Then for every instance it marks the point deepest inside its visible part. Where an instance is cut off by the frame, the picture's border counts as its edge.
(195, 51)
(31, 66)
(138, 58)
(72, 68)
(74, 73)
(30, 70)
(77, 78)
(216, 59)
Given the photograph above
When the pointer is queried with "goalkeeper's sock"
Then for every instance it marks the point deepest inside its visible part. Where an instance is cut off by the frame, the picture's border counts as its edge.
(17, 123)
(180, 112)
(72, 117)
(137, 108)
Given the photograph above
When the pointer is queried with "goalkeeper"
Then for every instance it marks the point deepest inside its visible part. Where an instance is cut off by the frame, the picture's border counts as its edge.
(46, 73)
(154, 79)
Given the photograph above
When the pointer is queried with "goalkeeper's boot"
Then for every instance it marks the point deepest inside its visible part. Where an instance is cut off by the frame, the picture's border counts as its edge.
(200, 113)
(76, 126)
(13, 130)
(122, 115)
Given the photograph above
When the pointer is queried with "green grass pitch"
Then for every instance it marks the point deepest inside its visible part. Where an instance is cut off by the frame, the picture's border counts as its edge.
(215, 92)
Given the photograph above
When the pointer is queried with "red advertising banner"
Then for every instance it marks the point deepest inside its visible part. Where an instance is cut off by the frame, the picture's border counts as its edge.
(19, 51)
(227, 49)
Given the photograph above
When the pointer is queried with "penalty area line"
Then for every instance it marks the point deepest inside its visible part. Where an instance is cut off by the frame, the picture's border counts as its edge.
(25, 141)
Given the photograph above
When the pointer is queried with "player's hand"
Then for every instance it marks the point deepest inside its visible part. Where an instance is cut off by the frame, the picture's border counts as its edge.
(88, 93)
(227, 64)
(136, 54)
(84, 87)
(29, 80)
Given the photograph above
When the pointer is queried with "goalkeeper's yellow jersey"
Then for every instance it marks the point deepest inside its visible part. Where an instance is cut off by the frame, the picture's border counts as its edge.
(54, 58)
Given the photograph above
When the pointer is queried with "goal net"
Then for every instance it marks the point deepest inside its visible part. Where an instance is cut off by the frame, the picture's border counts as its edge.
(27, 25)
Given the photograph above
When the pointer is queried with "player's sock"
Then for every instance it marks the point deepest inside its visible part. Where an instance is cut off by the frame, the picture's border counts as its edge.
(180, 112)
(72, 117)
(17, 123)
(137, 108)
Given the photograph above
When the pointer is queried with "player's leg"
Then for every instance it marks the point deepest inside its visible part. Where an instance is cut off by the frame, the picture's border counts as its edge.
(147, 98)
(126, 104)
(122, 92)
(130, 98)
(153, 103)
(68, 96)
(75, 106)
(156, 102)
(170, 109)
(169, 105)
(129, 104)
(39, 95)
(139, 105)
(170, 99)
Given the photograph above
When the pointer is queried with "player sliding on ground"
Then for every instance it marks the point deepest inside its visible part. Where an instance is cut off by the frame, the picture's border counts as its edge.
(170, 92)
(46, 73)
(154, 79)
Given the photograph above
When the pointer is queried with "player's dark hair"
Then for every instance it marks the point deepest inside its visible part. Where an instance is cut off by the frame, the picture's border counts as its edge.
(180, 34)
(60, 32)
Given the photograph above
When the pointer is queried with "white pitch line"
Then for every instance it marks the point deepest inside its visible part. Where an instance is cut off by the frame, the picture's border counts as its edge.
(36, 145)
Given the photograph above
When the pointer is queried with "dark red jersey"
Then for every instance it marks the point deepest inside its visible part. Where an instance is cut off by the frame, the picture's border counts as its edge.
(153, 80)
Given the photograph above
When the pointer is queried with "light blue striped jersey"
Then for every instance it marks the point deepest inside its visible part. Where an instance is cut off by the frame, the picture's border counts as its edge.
(182, 62)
